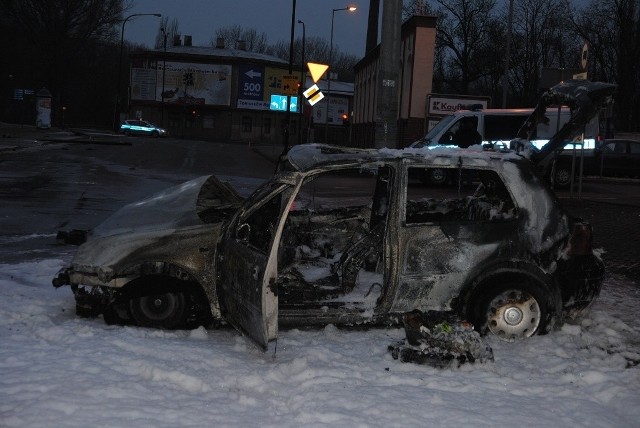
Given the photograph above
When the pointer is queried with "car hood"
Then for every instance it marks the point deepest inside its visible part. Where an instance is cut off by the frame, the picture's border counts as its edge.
(180, 225)
(201, 200)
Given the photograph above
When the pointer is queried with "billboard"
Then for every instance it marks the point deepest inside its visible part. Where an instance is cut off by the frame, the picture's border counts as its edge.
(184, 83)
(259, 85)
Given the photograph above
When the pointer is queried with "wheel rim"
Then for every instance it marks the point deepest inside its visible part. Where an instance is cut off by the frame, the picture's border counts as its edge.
(160, 310)
(513, 314)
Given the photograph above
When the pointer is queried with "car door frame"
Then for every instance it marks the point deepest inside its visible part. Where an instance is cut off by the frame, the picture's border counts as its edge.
(252, 306)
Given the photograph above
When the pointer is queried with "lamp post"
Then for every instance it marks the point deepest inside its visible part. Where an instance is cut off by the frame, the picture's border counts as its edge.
(302, 83)
(124, 21)
(333, 15)
(287, 127)
(164, 70)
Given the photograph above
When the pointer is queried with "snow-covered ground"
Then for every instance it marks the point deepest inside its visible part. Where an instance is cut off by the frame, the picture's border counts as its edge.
(57, 370)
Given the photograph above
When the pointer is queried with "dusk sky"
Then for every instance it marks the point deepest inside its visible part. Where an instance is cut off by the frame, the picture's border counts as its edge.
(201, 18)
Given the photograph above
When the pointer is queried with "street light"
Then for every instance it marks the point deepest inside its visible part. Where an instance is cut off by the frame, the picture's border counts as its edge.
(288, 113)
(117, 112)
(302, 83)
(164, 69)
(333, 15)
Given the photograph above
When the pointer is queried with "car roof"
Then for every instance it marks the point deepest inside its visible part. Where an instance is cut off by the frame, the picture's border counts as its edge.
(306, 157)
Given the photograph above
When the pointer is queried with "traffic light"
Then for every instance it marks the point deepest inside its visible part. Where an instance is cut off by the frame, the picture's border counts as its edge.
(345, 119)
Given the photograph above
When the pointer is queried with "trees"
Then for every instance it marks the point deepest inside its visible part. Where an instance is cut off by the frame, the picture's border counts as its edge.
(316, 49)
(61, 44)
(231, 35)
(463, 34)
(540, 40)
(612, 29)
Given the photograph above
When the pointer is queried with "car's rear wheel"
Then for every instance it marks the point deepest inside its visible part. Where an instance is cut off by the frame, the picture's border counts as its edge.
(512, 310)
(163, 310)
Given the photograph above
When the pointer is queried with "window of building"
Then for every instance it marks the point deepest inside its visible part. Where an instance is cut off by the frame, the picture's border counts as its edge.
(247, 123)
(208, 122)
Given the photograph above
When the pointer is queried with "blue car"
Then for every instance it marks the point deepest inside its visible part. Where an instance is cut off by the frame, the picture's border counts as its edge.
(141, 127)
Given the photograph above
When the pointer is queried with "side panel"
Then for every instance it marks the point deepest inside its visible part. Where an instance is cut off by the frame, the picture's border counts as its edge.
(445, 231)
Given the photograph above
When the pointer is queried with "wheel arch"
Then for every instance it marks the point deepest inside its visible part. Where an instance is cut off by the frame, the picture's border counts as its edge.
(509, 273)
(160, 276)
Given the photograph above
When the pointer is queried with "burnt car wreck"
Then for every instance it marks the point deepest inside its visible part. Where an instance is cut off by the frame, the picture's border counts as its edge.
(346, 236)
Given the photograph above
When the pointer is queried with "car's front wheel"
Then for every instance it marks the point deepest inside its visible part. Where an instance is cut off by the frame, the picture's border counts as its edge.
(562, 176)
(163, 310)
(437, 176)
(512, 310)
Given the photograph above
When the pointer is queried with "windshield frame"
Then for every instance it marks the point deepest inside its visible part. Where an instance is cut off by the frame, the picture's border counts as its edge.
(433, 132)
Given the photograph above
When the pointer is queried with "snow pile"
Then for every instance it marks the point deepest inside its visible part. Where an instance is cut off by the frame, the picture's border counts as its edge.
(60, 370)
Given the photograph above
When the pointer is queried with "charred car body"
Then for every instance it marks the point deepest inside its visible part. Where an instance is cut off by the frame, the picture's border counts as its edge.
(344, 236)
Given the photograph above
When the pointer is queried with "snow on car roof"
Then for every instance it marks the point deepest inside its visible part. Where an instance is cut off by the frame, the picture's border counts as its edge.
(309, 156)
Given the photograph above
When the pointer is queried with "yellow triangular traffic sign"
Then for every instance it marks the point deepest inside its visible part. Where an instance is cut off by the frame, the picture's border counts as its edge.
(316, 70)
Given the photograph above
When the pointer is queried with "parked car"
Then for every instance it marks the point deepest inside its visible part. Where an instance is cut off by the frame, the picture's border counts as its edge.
(141, 127)
(611, 158)
(343, 236)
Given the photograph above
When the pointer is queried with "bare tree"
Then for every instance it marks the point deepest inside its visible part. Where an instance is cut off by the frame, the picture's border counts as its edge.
(317, 50)
(171, 29)
(540, 39)
(61, 40)
(612, 29)
(463, 30)
(254, 42)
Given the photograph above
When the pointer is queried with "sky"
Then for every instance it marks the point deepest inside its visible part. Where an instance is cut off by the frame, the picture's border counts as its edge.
(201, 18)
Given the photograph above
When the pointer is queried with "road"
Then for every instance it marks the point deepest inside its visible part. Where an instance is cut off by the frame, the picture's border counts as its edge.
(51, 186)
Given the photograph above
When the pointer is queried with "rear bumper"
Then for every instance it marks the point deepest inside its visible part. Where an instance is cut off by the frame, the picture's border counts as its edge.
(581, 280)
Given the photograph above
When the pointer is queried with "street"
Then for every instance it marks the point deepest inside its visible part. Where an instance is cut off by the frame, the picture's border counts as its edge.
(46, 187)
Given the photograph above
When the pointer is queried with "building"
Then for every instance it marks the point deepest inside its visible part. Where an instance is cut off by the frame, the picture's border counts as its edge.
(229, 94)
(416, 75)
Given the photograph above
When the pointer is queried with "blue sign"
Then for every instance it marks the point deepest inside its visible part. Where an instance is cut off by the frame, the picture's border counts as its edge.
(279, 103)
(251, 82)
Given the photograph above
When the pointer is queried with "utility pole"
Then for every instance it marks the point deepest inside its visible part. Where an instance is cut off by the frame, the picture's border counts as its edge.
(388, 77)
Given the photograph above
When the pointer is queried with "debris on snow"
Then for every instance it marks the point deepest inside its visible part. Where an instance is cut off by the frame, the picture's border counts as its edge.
(440, 339)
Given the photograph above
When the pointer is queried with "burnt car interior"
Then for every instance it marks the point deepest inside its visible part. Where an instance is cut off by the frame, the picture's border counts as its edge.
(473, 195)
(332, 247)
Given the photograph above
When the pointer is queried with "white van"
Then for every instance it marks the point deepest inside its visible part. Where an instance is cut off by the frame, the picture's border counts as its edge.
(499, 126)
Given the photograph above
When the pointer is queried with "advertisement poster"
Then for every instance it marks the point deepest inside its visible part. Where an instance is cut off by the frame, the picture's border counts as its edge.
(259, 85)
(187, 83)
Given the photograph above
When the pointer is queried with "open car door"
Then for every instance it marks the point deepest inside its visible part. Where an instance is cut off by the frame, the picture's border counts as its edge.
(249, 262)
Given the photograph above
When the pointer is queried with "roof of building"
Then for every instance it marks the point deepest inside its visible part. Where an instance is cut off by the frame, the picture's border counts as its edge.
(212, 52)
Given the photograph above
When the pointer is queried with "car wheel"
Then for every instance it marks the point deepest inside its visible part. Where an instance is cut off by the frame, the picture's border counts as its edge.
(562, 176)
(512, 311)
(437, 176)
(155, 134)
(165, 310)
